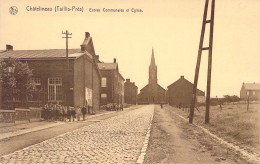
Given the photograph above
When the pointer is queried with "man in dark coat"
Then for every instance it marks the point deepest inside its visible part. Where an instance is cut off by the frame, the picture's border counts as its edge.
(84, 112)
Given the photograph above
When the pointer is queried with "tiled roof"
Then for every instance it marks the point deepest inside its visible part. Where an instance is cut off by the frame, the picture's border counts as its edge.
(252, 86)
(107, 66)
(35, 54)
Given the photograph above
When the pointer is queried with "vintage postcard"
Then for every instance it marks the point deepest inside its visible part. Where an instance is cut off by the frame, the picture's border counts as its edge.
(130, 81)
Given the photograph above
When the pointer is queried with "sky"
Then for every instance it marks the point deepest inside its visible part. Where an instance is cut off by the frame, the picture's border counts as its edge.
(171, 27)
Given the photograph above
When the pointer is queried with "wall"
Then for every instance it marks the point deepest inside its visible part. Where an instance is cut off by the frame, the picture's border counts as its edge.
(17, 116)
(45, 69)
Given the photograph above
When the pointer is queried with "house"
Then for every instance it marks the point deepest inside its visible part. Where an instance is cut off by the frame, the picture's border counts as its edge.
(131, 91)
(72, 81)
(180, 93)
(152, 93)
(112, 83)
(251, 90)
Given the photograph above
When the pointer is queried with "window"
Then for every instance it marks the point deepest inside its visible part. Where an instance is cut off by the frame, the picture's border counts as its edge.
(247, 93)
(253, 92)
(37, 81)
(104, 82)
(55, 89)
(35, 96)
(103, 95)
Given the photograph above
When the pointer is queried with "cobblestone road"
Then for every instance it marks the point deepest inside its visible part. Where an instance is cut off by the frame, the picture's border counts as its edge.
(115, 140)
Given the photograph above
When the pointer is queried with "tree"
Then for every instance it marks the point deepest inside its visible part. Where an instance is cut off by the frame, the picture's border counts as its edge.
(19, 85)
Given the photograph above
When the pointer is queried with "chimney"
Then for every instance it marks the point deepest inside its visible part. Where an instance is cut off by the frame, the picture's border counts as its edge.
(84, 44)
(87, 34)
(9, 47)
(97, 58)
(114, 60)
(182, 77)
(127, 80)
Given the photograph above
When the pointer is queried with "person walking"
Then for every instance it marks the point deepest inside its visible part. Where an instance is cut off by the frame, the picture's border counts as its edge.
(73, 114)
(78, 113)
(84, 112)
(69, 114)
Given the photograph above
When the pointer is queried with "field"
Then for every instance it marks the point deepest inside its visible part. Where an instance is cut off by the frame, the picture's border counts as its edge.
(233, 123)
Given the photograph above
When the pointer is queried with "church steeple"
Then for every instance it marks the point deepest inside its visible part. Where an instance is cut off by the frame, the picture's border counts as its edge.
(152, 59)
(152, 70)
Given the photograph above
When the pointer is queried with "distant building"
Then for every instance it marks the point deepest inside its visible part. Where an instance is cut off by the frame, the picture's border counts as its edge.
(152, 93)
(75, 86)
(250, 89)
(131, 91)
(180, 93)
(112, 83)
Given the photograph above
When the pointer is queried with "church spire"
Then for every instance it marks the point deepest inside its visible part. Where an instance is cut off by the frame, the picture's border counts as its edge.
(152, 59)
(152, 71)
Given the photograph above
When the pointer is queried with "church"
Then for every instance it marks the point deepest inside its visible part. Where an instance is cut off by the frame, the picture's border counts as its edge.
(152, 93)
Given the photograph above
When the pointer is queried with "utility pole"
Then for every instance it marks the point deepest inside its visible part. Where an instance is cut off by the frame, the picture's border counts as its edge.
(67, 59)
(201, 48)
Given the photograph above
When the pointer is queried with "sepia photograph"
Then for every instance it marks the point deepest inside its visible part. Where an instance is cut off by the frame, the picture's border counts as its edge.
(129, 81)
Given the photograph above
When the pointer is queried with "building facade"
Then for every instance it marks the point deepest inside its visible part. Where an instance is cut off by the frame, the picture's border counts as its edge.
(152, 93)
(251, 90)
(180, 93)
(73, 81)
(112, 83)
(131, 91)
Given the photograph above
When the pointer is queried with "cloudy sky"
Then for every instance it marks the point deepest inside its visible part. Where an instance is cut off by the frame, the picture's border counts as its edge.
(171, 27)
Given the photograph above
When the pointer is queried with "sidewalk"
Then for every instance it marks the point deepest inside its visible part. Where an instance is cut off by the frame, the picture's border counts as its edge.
(12, 131)
(20, 129)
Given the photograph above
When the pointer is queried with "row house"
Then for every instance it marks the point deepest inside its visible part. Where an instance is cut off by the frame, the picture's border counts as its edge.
(250, 90)
(131, 91)
(112, 83)
(73, 81)
(180, 93)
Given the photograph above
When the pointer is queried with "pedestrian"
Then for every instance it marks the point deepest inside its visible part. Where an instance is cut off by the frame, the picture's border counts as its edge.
(84, 112)
(78, 113)
(161, 105)
(69, 114)
(73, 114)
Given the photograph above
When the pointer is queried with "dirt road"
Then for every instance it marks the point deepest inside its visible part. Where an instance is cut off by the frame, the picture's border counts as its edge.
(174, 141)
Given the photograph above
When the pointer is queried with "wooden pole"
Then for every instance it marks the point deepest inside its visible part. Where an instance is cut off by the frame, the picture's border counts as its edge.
(198, 62)
(67, 59)
(210, 62)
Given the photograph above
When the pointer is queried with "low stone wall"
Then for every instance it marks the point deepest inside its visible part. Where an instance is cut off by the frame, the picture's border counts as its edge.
(18, 116)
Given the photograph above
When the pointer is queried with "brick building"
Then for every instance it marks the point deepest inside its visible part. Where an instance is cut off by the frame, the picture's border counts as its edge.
(73, 85)
(180, 93)
(250, 89)
(131, 91)
(112, 83)
(152, 93)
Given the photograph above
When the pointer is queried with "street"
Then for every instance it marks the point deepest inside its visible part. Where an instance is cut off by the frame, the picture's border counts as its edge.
(117, 139)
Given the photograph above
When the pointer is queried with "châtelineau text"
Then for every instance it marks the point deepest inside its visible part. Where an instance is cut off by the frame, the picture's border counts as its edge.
(81, 9)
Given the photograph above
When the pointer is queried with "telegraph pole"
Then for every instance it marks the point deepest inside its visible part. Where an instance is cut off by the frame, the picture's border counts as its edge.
(201, 48)
(67, 59)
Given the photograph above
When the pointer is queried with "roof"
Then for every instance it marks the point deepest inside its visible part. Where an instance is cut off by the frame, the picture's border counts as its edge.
(187, 81)
(107, 66)
(252, 86)
(40, 54)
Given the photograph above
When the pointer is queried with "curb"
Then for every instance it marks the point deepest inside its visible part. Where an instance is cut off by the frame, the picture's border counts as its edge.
(140, 159)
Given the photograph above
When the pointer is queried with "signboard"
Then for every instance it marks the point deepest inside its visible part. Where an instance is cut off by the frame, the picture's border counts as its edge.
(88, 95)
